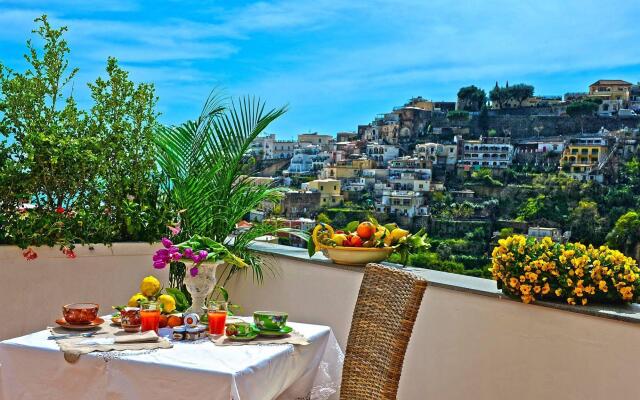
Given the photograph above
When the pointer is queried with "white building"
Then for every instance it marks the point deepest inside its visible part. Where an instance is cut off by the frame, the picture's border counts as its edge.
(492, 153)
(402, 203)
(284, 148)
(437, 153)
(382, 153)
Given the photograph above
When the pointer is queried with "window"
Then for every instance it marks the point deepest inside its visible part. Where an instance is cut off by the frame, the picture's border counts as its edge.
(335, 187)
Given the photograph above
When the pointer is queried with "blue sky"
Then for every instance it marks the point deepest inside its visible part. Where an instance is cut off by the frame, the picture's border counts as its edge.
(336, 63)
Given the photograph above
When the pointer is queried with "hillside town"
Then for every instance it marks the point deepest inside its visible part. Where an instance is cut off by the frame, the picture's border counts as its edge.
(467, 171)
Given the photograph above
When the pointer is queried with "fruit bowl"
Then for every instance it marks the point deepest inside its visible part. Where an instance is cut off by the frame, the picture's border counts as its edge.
(357, 256)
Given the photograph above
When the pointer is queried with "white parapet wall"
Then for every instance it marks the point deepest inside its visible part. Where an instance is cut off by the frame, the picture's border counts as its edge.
(33, 292)
(469, 342)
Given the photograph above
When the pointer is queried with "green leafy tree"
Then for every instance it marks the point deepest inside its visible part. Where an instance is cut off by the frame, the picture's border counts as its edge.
(323, 218)
(90, 174)
(625, 234)
(586, 224)
(472, 98)
(122, 120)
(55, 154)
(519, 92)
(499, 95)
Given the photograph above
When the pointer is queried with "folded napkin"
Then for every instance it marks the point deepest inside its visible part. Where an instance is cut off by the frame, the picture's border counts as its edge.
(293, 338)
(111, 338)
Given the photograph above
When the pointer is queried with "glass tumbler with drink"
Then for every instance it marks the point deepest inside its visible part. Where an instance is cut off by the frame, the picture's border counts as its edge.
(150, 316)
(217, 314)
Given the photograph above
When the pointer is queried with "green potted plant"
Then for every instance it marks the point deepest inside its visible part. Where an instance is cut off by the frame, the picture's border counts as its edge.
(208, 180)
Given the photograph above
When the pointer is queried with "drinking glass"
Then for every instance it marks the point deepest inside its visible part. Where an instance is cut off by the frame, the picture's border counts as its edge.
(217, 313)
(150, 316)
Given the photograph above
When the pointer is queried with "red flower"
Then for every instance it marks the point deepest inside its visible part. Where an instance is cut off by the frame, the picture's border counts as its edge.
(29, 254)
(60, 210)
(68, 252)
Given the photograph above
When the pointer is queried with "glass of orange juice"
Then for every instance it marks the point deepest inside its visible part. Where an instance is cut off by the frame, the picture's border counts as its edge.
(150, 316)
(217, 314)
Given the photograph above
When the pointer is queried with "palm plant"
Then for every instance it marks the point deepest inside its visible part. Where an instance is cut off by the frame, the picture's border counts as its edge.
(207, 178)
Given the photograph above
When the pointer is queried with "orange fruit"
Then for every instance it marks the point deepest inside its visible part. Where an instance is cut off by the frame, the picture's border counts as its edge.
(174, 320)
(366, 230)
(163, 321)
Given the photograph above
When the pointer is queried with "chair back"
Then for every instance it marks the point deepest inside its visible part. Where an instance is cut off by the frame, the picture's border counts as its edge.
(383, 319)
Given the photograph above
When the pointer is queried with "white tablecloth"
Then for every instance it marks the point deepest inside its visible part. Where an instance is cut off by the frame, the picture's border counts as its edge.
(32, 367)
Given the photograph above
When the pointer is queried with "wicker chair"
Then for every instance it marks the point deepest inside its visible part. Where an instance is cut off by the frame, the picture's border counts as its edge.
(383, 320)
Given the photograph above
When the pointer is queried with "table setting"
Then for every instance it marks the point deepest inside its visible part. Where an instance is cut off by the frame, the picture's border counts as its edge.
(128, 355)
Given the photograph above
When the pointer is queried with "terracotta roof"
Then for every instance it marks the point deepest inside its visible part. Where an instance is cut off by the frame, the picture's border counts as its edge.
(610, 82)
(244, 224)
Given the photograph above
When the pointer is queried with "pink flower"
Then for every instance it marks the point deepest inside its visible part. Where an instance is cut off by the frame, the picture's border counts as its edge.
(188, 252)
(166, 242)
(193, 271)
(29, 254)
(159, 264)
(203, 254)
(175, 230)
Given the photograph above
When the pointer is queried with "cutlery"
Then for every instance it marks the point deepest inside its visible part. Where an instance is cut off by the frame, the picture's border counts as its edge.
(74, 335)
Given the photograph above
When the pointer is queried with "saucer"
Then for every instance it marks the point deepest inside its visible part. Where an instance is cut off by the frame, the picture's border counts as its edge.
(282, 332)
(245, 338)
(93, 324)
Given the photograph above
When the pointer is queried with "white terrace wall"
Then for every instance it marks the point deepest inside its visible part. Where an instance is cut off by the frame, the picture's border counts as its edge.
(466, 345)
(33, 292)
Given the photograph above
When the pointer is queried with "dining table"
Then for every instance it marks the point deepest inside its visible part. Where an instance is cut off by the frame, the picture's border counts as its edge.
(33, 367)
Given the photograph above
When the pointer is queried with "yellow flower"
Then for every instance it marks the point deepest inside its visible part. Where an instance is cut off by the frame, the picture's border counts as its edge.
(558, 292)
(602, 285)
(537, 289)
(526, 299)
(546, 288)
(569, 282)
(571, 301)
(150, 286)
(513, 282)
(584, 302)
(525, 289)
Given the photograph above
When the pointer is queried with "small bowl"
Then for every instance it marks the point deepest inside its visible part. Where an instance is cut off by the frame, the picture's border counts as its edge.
(80, 313)
(270, 320)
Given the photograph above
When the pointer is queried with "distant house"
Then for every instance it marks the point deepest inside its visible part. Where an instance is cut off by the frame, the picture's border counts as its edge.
(583, 156)
(613, 93)
(539, 232)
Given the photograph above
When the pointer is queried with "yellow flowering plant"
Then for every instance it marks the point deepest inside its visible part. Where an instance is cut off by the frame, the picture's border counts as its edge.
(536, 270)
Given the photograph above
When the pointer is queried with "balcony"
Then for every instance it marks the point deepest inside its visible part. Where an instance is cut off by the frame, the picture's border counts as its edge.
(469, 341)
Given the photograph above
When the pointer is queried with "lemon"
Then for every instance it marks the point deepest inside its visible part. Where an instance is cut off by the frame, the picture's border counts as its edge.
(382, 233)
(395, 235)
(339, 238)
(150, 286)
(168, 303)
(133, 301)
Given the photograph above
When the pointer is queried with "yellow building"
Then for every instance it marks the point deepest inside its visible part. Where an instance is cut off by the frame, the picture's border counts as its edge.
(581, 158)
(610, 89)
(347, 169)
(329, 190)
